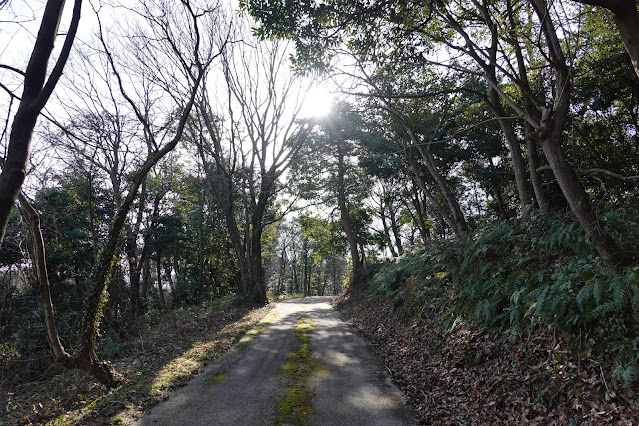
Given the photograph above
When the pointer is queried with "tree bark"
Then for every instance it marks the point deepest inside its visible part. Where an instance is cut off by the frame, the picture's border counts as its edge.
(387, 237)
(419, 215)
(351, 237)
(395, 228)
(535, 176)
(35, 95)
(158, 270)
(134, 258)
(99, 370)
(516, 155)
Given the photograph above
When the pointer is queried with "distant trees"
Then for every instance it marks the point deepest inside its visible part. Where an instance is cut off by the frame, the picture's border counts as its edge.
(309, 257)
(330, 174)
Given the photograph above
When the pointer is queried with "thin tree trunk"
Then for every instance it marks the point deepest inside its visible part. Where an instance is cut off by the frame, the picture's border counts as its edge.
(395, 228)
(146, 279)
(419, 215)
(519, 166)
(200, 251)
(135, 260)
(387, 236)
(296, 282)
(305, 277)
(334, 273)
(159, 279)
(498, 197)
(535, 176)
(97, 369)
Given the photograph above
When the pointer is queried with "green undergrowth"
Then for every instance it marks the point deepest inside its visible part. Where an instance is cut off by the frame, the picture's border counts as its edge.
(296, 405)
(517, 275)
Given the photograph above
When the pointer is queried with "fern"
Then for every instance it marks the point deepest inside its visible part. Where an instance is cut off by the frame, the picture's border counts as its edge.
(624, 374)
(597, 291)
(585, 293)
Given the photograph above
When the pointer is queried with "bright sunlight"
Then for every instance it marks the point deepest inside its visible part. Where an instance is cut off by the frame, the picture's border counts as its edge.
(318, 102)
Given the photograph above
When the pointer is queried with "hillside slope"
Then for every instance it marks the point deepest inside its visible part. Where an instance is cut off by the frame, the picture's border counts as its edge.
(520, 325)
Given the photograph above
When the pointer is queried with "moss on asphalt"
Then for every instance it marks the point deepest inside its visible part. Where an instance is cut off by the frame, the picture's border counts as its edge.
(296, 405)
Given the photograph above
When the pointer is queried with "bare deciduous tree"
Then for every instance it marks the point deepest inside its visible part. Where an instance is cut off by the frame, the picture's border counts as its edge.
(37, 89)
(184, 40)
(248, 142)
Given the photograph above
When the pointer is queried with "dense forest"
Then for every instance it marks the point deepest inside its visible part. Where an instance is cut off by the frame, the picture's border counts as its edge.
(479, 164)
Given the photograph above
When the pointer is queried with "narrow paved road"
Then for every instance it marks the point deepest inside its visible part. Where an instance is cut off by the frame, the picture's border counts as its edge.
(348, 386)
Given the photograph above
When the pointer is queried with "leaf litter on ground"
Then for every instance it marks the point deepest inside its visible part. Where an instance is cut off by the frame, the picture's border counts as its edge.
(160, 356)
(463, 375)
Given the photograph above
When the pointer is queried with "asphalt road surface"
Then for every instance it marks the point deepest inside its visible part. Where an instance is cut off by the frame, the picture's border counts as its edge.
(244, 386)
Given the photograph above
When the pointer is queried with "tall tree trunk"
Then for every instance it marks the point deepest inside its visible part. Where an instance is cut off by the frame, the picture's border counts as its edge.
(221, 181)
(200, 249)
(529, 105)
(395, 228)
(133, 256)
(146, 279)
(36, 92)
(351, 238)
(282, 274)
(334, 274)
(296, 282)
(535, 176)
(258, 291)
(419, 215)
(501, 206)
(579, 202)
(512, 142)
